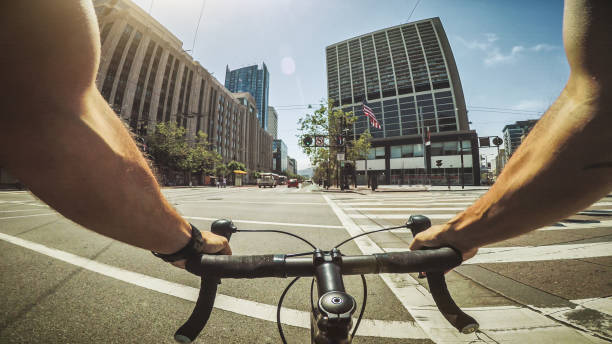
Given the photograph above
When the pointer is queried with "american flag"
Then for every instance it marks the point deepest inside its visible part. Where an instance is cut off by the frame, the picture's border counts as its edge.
(370, 114)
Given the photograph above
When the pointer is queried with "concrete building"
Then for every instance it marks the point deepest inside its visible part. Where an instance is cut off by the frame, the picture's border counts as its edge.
(279, 156)
(273, 122)
(148, 78)
(292, 165)
(409, 78)
(514, 134)
(500, 161)
(254, 80)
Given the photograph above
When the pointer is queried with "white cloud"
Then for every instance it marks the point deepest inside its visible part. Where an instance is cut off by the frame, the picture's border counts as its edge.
(491, 37)
(474, 44)
(494, 54)
(543, 47)
(531, 105)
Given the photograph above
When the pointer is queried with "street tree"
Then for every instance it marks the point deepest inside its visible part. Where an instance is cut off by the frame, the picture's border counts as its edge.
(336, 126)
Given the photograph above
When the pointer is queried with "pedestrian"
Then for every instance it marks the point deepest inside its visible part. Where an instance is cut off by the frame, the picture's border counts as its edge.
(224, 182)
(217, 182)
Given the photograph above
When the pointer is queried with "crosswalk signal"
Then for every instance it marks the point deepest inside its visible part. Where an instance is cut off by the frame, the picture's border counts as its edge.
(307, 141)
(340, 140)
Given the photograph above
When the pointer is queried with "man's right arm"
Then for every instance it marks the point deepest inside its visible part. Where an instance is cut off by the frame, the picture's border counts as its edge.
(565, 163)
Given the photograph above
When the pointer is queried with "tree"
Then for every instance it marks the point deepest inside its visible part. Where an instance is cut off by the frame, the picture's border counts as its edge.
(170, 150)
(333, 123)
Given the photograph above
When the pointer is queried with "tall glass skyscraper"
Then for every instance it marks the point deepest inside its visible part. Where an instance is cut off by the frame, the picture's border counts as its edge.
(254, 80)
(408, 76)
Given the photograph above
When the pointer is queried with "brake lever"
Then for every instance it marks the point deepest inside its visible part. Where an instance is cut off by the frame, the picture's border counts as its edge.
(437, 285)
(208, 291)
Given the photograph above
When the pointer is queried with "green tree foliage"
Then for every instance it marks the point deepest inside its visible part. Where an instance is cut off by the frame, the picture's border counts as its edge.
(235, 165)
(170, 150)
(331, 123)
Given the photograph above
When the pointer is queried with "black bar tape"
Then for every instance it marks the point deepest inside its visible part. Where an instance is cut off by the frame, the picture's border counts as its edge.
(196, 322)
(447, 306)
(238, 266)
(439, 259)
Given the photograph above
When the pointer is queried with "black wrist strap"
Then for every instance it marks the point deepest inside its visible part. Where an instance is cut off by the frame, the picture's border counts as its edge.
(193, 247)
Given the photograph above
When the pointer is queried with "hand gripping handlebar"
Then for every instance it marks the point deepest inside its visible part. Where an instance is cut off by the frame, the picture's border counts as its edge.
(433, 261)
(208, 291)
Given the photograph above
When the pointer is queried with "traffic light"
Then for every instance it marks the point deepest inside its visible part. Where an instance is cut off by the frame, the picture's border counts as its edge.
(307, 141)
(438, 163)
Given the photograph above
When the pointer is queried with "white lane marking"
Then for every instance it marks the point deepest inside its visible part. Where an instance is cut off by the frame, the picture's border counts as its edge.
(18, 211)
(18, 217)
(572, 225)
(289, 316)
(516, 254)
(408, 209)
(419, 303)
(408, 204)
(251, 202)
(26, 203)
(564, 225)
(284, 224)
(399, 216)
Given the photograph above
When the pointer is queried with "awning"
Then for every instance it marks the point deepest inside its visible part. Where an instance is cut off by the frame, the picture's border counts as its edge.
(239, 172)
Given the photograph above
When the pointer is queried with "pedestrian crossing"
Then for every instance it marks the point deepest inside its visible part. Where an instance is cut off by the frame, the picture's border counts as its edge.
(561, 246)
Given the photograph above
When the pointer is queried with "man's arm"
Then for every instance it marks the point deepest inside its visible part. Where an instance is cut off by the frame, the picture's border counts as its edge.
(61, 139)
(565, 163)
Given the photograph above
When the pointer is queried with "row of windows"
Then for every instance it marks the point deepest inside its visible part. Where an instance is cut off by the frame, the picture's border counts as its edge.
(395, 71)
(416, 150)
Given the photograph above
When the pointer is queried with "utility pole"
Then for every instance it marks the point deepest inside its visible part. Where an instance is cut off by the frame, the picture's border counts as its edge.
(422, 128)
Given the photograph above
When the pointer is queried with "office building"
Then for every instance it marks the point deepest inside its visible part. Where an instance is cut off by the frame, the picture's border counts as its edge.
(147, 78)
(408, 76)
(254, 80)
(273, 122)
(292, 165)
(514, 134)
(279, 156)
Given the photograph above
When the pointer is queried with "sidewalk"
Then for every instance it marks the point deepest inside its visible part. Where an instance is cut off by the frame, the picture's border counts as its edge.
(363, 189)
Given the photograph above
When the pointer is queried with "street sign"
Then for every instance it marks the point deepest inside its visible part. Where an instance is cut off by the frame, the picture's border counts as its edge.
(497, 141)
(319, 141)
(340, 156)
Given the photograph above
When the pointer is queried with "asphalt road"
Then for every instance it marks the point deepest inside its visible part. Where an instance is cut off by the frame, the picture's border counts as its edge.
(61, 283)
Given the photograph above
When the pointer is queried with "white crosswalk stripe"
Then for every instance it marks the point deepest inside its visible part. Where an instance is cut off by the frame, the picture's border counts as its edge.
(501, 324)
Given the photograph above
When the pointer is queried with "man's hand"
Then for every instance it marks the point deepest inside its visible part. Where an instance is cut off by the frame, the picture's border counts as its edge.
(213, 244)
(438, 236)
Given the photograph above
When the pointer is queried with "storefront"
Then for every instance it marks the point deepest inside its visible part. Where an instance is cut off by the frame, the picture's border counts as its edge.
(401, 162)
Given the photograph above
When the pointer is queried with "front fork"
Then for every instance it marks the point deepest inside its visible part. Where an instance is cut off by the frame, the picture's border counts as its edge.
(331, 319)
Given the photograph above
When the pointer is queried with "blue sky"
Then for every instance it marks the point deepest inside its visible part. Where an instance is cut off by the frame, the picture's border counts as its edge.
(509, 53)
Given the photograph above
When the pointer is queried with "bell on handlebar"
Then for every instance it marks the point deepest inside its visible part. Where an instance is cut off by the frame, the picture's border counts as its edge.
(223, 227)
(418, 223)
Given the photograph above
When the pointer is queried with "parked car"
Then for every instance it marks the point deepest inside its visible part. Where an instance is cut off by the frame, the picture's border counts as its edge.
(293, 183)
